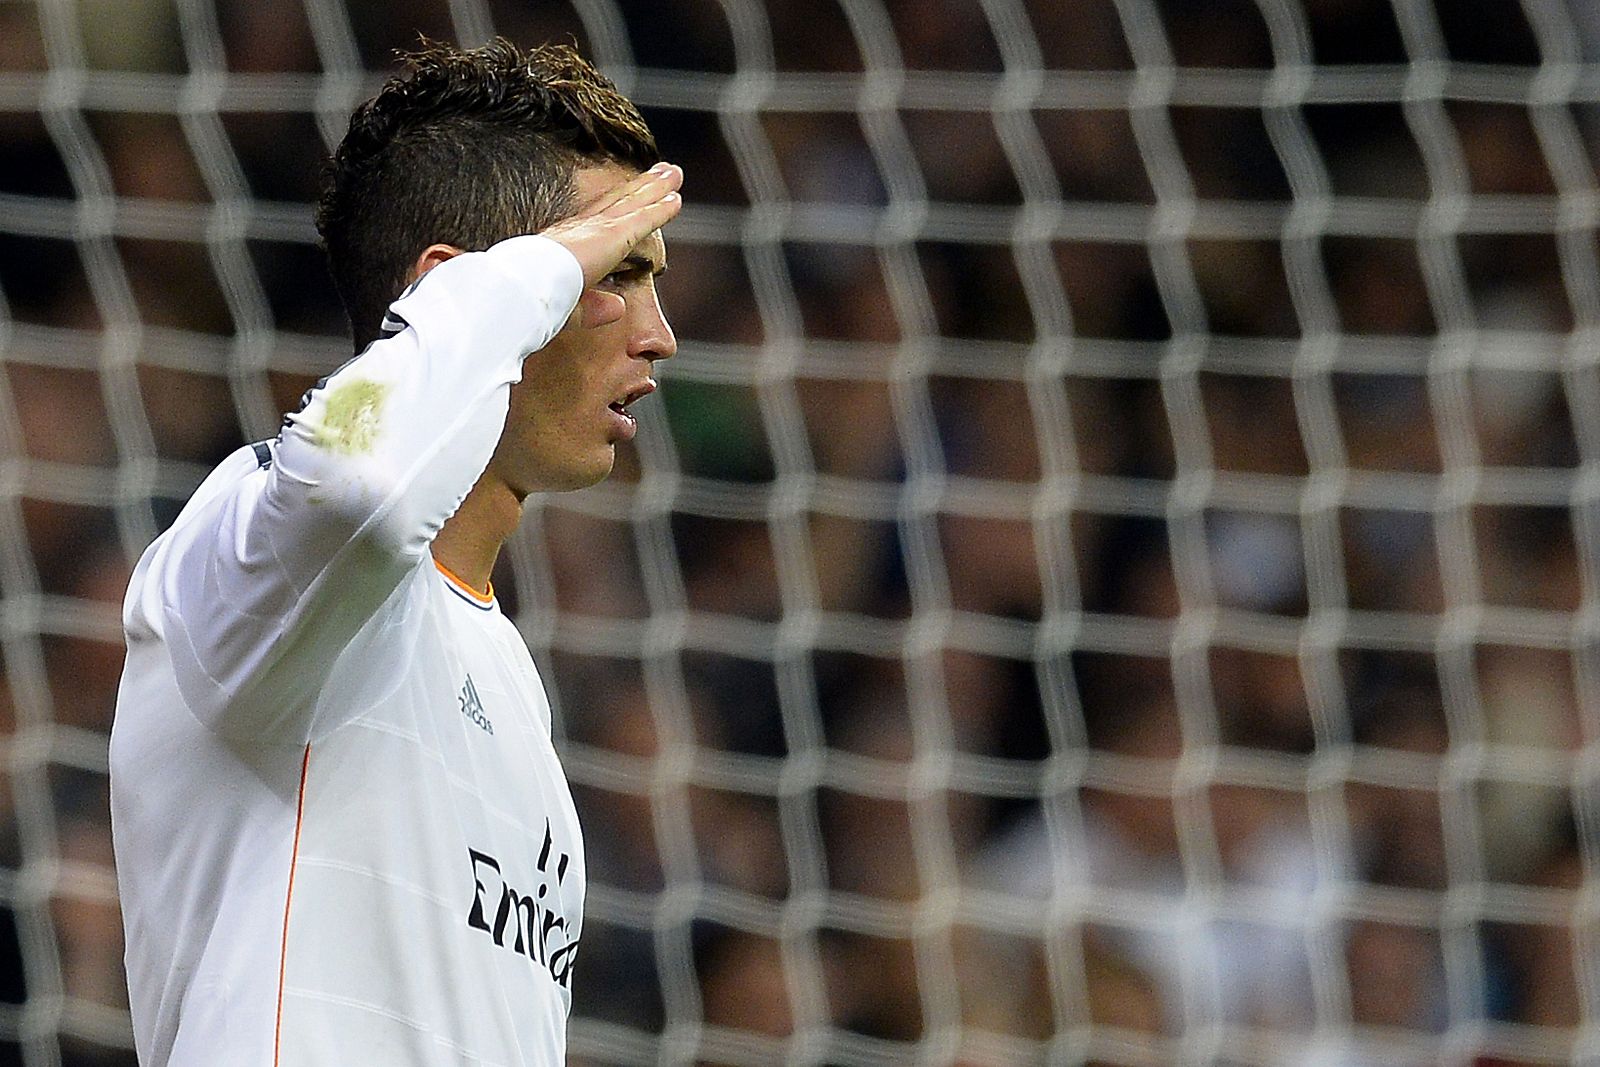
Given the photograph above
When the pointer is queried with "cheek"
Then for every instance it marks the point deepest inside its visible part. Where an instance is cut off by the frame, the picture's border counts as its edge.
(548, 385)
(556, 399)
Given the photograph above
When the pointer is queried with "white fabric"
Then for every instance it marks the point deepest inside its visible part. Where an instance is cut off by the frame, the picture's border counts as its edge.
(307, 697)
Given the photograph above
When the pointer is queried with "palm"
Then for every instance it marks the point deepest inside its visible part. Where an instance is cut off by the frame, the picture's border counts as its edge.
(604, 231)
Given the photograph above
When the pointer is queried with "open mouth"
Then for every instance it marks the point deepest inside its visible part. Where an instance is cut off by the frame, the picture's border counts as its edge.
(620, 405)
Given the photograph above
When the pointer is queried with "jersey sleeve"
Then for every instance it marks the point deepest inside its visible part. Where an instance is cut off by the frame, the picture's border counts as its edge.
(260, 592)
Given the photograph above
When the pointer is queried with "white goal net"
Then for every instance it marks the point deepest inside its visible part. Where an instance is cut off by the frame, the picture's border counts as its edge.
(1109, 577)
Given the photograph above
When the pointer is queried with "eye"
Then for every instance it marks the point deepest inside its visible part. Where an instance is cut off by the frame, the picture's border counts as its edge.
(629, 272)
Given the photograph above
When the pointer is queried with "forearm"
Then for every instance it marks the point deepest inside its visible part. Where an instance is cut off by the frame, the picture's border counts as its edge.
(262, 591)
(390, 444)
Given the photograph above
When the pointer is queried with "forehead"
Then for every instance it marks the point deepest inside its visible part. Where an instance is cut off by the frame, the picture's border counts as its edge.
(595, 181)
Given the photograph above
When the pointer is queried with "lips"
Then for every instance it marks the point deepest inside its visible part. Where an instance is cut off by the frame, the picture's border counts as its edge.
(627, 426)
(620, 405)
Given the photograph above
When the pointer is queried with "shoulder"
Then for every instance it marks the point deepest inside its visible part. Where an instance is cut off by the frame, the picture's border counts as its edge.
(240, 472)
(242, 467)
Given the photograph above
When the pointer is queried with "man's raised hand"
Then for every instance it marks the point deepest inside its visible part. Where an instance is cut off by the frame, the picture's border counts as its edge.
(605, 230)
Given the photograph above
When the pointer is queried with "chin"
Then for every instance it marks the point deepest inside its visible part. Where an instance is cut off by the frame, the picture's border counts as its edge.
(581, 474)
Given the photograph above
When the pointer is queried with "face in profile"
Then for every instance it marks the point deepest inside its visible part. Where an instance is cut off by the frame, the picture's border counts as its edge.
(574, 402)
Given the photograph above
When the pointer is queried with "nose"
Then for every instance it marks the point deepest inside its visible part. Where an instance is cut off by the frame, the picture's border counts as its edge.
(651, 337)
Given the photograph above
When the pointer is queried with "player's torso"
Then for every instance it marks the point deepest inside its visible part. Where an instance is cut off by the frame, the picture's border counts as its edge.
(438, 876)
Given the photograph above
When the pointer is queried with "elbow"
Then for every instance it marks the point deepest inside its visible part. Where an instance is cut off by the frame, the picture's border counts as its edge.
(341, 478)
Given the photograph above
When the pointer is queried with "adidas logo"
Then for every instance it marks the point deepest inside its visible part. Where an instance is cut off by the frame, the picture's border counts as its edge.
(472, 707)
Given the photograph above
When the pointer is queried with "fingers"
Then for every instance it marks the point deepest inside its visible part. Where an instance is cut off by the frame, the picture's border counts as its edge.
(660, 182)
(645, 203)
(603, 232)
(649, 215)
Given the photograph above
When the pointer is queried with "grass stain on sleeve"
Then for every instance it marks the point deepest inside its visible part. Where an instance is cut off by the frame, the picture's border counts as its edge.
(351, 417)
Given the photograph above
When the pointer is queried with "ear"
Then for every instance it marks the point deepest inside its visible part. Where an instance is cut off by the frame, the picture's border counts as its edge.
(430, 258)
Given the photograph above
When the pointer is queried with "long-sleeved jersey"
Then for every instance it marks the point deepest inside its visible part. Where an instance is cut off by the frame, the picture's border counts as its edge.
(342, 833)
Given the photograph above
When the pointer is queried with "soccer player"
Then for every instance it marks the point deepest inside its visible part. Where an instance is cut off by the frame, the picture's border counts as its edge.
(342, 834)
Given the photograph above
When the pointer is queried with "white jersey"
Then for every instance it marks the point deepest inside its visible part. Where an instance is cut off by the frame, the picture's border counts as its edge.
(342, 834)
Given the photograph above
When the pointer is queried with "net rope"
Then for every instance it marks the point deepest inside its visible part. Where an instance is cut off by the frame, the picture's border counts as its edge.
(980, 926)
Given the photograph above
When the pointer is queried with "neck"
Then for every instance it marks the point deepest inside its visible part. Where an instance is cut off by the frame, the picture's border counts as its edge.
(469, 542)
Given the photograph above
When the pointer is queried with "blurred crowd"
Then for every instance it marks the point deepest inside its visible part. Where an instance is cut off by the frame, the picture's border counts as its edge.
(1179, 831)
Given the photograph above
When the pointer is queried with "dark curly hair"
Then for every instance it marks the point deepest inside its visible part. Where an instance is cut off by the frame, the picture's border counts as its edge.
(464, 147)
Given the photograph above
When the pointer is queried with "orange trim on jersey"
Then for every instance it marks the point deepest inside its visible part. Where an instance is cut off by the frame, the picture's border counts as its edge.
(288, 897)
(482, 598)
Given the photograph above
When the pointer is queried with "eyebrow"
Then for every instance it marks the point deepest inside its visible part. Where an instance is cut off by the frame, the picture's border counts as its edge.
(636, 261)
